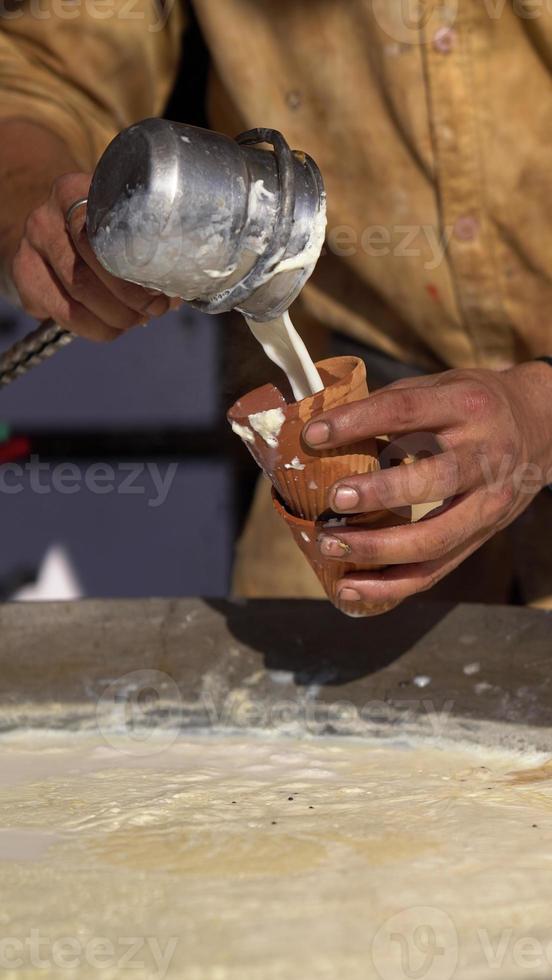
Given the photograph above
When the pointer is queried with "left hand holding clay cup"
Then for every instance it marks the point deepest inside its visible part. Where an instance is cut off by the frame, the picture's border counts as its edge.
(491, 455)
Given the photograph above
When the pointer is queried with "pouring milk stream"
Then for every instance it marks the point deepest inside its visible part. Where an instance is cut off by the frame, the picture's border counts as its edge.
(279, 338)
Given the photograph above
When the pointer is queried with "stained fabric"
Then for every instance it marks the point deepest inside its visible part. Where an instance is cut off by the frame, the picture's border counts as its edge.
(430, 122)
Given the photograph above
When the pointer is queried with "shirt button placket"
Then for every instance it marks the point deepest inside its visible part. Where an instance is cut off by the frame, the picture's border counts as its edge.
(453, 108)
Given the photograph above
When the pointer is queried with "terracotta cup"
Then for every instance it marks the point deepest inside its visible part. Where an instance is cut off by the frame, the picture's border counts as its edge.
(272, 428)
(331, 571)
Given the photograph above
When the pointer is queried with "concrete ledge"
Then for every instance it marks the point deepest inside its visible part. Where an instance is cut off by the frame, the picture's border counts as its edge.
(427, 668)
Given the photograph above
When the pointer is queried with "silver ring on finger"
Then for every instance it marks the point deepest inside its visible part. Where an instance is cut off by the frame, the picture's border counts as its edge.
(81, 203)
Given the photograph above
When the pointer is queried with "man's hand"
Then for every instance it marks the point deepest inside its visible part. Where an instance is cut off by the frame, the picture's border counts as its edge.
(493, 437)
(57, 274)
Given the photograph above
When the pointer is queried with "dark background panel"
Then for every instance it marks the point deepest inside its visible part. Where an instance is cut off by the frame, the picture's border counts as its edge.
(123, 542)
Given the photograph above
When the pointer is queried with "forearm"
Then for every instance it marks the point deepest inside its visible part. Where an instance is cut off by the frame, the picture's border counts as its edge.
(30, 160)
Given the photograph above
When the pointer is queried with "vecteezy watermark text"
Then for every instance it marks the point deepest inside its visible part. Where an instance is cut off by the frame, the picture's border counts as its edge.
(132, 478)
(144, 712)
(423, 942)
(409, 22)
(148, 954)
(401, 241)
(156, 14)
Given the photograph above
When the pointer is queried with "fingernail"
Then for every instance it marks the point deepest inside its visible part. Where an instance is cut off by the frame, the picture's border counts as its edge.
(317, 433)
(349, 595)
(346, 498)
(158, 307)
(333, 547)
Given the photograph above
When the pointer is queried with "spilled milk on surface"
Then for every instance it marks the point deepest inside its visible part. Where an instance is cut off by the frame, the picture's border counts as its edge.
(265, 857)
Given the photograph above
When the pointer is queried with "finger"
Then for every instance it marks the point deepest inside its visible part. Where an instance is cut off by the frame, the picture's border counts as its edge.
(387, 412)
(143, 301)
(34, 292)
(47, 233)
(42, 295)
(409, 447)
(395, 584)
(147, 302)
(429, 540)
(81, 284)
(426, 480)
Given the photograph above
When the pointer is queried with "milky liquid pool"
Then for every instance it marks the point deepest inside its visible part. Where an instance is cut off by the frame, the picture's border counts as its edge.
(266, 858)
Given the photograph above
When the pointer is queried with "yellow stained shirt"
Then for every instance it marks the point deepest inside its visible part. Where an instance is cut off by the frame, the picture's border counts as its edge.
(431, 122)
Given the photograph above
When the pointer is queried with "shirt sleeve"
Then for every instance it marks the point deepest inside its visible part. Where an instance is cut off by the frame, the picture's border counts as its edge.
(86, 69)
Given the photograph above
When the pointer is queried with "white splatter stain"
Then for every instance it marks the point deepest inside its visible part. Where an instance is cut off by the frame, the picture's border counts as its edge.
(422, 680)
(295, 464)
(243, 431)
(268, 425)
(336, 522)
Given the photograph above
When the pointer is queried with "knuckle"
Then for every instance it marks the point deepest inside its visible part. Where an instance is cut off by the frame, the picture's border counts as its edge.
(498, 501)
(440, 546)
(363, 546)
(477, 401)
(34, 225)
(385, 486)
(450, 477)
(405, 409)
(416, 483)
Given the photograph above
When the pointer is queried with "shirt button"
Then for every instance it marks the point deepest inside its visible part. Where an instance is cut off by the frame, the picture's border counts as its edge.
(466, 228)
(444, 40)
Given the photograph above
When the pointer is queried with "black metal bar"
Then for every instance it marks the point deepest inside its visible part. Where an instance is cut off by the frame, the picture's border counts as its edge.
(174, 443)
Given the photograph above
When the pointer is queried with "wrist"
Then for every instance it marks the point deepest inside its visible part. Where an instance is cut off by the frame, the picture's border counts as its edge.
(532, 395)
